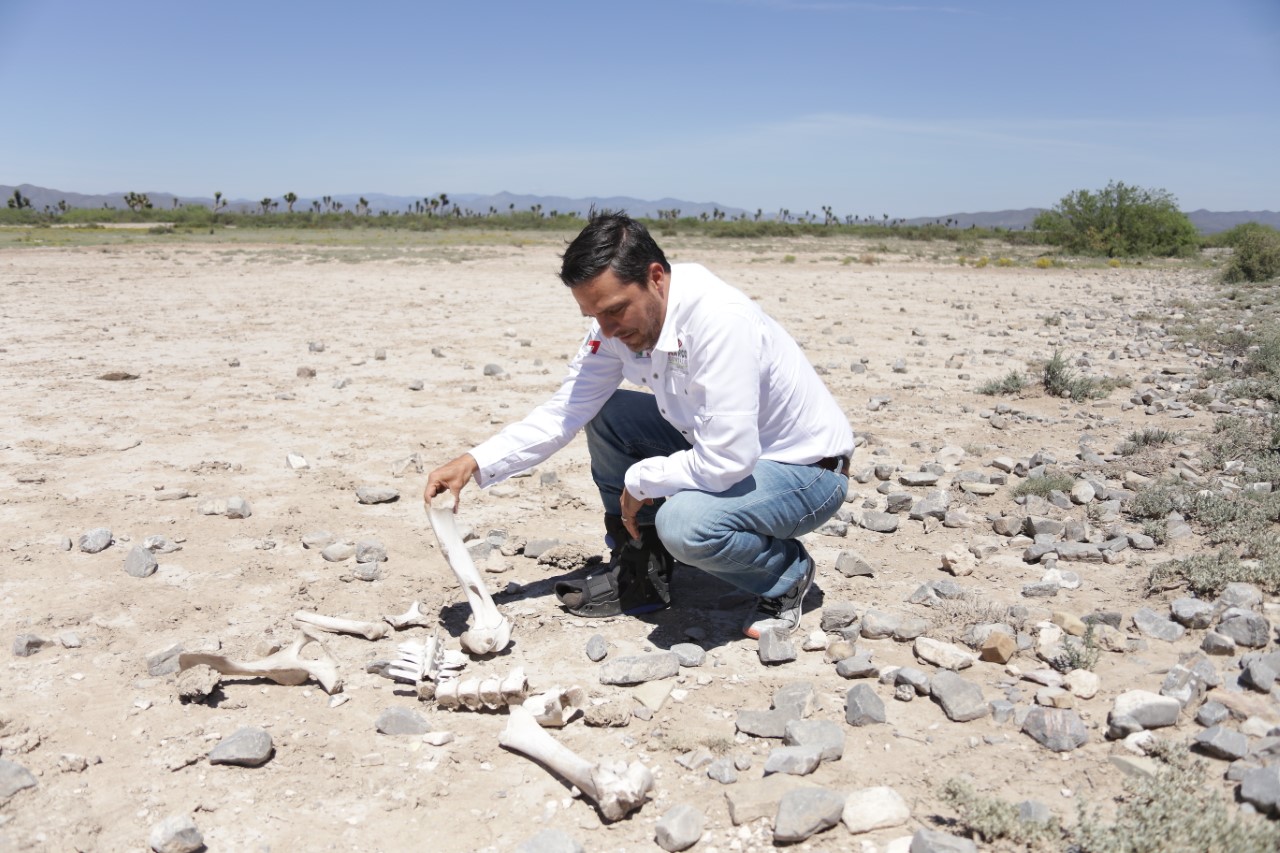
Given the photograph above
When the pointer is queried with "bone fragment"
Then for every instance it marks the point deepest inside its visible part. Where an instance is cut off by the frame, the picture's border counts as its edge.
(411, 618)
(336, 625)
(616, 789)
(286, 666)
(490, 631)
(426, 662)
(555, 707)
(490, 693)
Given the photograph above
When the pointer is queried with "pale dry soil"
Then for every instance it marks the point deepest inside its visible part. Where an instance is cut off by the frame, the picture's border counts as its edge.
(78, 452)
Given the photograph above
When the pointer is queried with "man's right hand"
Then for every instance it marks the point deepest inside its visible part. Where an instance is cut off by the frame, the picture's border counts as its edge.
(451, 477)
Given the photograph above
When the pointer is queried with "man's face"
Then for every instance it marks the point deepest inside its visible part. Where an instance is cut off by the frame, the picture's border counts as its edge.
(632, 313)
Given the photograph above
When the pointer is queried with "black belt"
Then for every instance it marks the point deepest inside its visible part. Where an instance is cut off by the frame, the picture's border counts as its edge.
(835, 463)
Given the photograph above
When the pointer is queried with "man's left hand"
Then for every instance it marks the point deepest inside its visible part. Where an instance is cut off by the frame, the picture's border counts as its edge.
(630, 507)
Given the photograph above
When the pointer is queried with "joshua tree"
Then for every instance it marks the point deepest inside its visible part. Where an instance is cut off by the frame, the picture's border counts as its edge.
(289, 199)
(315, 206)
(63, 207)
(19, 201)
(218, 203)
(266, 205)
(362, 206)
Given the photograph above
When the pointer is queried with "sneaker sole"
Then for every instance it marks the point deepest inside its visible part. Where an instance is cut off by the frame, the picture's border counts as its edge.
(751, 632)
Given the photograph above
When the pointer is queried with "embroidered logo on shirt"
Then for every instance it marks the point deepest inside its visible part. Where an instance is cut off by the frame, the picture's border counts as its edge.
(678, 361)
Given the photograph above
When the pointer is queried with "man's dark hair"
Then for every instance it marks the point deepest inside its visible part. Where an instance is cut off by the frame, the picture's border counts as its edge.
(611, 241)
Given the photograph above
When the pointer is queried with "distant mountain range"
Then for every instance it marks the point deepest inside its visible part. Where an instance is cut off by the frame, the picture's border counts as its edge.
(1208, 221)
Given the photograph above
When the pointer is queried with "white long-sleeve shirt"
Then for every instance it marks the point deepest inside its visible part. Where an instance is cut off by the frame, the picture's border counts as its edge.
(724, 373)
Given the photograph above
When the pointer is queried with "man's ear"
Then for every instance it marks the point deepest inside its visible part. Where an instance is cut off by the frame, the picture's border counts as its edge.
(656, 276)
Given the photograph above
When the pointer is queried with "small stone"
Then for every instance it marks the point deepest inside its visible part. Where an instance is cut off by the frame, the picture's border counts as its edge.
(196, 683)
(246, 747)
(998, 647)
(1154, 625)
(1246, 628)
(795, 760)
(750, 801)
(1261, 788)
(238, 507)
(1217, 644)
(878, 626)
(1212, 713)
(798, 698)
(176, 834)
(296, 462)
(338, 552)
(1058, 729)
(944, 655)
(213, 506)
(95, 540)
(401, 721)
(597, 648)
(804, 812)
(371, 551)
(851, 564)
(164, 661)
(1081, 683)
(1222, 743)
(723, 771)
(679, 828)
(1192, 612)
(936, 841)
(317, 539)
(376, 494)
(862, 706)
(869, 809)
(776, 647)
(1136, 710)
(140, 563)
(26, 645)
(689, 654)
(653, 694)
(695, 759)
(14, 778)
(638, 669)
(771, 723)
(879, 522)
(838, 615)
(961, 700)
(857, 666)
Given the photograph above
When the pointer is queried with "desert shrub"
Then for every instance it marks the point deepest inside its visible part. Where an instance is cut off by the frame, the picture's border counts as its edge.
(1207, 575)
(1043, 263)
(1082, 653)
(982, 262)
(1148, 437)
(1114, 263)
(1255, 256)
(994, 819)
(1157, 500)
(788, 259)
(868, 259)
(1004, 262)
(1157, 529)
(1253, 441)
(1120, 221)
(1052, 319)
(1060, 380)
(1051, 481)
(1174, 811)
(1011, 383)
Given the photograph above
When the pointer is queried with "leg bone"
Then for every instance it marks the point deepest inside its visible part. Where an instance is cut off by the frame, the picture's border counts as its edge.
(616, 790)
(411, 618)
(335, 625)
(490, 631)
(286, 666)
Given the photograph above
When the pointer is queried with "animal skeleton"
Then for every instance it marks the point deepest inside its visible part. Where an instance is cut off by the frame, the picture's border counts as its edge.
(286, 666)
(490, 631)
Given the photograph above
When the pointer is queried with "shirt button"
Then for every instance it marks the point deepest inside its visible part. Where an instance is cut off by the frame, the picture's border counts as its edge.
(655, 376)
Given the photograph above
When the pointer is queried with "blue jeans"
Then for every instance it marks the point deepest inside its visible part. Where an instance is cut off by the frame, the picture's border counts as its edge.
(745, 535)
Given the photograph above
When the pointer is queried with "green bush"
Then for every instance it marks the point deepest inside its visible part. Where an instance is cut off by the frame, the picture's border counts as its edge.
(1060, 380)
(1011, 383)
(1120, 221)
(1052, 481)
(1255, 255)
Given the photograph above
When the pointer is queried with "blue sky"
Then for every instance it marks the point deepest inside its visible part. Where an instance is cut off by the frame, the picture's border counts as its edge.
(905, 108)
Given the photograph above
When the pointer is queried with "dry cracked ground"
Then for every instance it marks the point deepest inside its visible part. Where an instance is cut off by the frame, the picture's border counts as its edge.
(159, 386)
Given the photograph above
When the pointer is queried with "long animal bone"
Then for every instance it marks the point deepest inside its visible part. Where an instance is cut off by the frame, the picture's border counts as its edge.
(490, 631)
(336, 625)
(286, 666)
(411, 618)
(617, 789)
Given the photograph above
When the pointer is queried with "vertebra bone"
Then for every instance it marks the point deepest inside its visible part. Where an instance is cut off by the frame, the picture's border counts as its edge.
(286, 666)
(476, 693)
(490, 631)
(411, 618)
(336, 625)
(617, 789)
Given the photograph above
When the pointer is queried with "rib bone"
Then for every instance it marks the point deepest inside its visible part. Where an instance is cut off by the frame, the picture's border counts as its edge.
(286, 666)
(617, 789)
(411, 618)
(490, 631)
(336, 625)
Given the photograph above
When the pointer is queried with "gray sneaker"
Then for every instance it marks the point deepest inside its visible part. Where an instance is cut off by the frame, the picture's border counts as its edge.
(784, 611)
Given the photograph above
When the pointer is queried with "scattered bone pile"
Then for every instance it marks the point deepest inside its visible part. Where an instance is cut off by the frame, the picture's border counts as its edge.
(196, 559)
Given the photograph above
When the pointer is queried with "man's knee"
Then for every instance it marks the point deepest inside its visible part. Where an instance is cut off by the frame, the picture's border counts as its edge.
(690, 533)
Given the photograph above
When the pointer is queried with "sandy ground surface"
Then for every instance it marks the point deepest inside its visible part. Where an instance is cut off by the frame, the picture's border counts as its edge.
(216, 335)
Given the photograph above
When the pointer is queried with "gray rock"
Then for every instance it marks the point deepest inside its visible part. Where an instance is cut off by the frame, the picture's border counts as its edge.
(793, 760)
(838, 615)
(961, 700)
(1034, 811)
(771, 723)
(918, 478)
(1245, 628)
(376, 494)
(851, 564)
(494, 370)
(858, 666)
(877, 625)
(26, 645)
(1058, 729)
(164, 661)
(679, 828)
(910, 676)
(862, 706)
(1037, 525)
(140, 563)
(401, 721)
(1259, 675)
(549, 841)
(936, 841)
(1238, 594)
(1043, 589)
(370, 551)
(1002, 710)
(176, 834)
(246, 747)
(797, 698)
(1261, 788)
(1222, 743)
(695, 759)
(317, 539)
(338, 552)
(1137, 710)
(826, 735)
(1212, 713)
(1078, 552)
(1192, 612)
(95, 540)
(879, 522)
(637, 669)
(910, 627)
(690, 654)
(238, 507)
(1217, 644)
(776, 647)
(1154, 625)
(597, 648)
(804, 812)
(535, 548)
(14, 778)
(723, 771)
